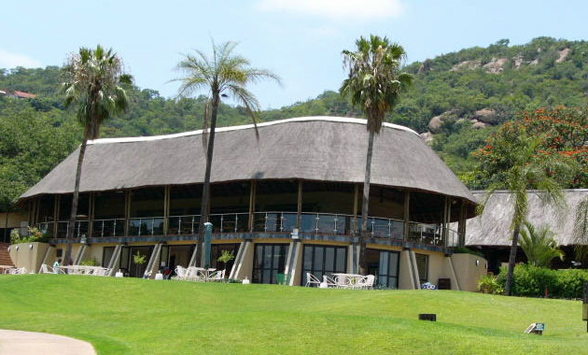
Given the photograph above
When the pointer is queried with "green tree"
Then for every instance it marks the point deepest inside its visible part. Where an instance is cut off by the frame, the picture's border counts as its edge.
(93, 86)
(539, 245)
(224, 74)
(375, 83)
(520, 167)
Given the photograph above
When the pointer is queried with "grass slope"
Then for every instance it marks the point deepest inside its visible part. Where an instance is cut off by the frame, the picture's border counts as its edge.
(135, 316)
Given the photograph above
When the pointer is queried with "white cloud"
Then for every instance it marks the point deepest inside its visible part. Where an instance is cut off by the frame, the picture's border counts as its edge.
(337, 9)
(12, 60)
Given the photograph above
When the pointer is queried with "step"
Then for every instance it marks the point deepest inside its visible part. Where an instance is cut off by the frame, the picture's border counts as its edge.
(4, 255)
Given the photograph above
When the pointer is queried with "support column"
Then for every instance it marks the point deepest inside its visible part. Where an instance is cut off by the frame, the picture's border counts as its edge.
(91, 205)
(166, 205)
(128, 198)
(446, 219)
(56, 207)
(252, 193)
(355, 207)
(406, 215)
(461, 226)
(299, 210)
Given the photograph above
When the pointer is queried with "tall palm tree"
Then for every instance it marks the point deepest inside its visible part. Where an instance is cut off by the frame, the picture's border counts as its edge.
(224, 74)
(375, 83)
(524, 169)
(93, 79)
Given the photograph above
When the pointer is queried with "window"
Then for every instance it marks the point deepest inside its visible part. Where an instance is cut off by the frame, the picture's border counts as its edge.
(422, 262)
(323, 260)
(268, 261)
(387, 269)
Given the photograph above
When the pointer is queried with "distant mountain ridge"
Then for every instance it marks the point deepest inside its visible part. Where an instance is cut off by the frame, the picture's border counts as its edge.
(456, 101)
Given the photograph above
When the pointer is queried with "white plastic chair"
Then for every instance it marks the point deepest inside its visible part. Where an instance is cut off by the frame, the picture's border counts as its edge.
(46, 269)
(329, 281)
(366, 282)
(181, 273)
(312, 280)
(17, 271)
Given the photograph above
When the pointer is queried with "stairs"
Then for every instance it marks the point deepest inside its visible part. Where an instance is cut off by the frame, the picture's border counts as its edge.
(4, 255)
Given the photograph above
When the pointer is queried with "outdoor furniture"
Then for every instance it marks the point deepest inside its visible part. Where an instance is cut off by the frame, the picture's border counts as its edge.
(312, 280)
(16, 271)
(283, 279)
(181, 273)
(216, 276)
(84, 270)
(46, 269)
(347, 280)
(329, 281)
(366, 282)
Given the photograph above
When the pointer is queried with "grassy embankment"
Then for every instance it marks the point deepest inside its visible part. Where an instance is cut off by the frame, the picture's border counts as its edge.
(135, 316)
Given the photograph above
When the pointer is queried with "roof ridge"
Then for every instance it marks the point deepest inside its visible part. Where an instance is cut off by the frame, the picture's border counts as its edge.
(247, 126)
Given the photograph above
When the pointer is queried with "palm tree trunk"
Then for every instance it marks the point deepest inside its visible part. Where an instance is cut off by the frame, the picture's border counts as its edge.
(363, 268)
(74, 205)
(205, 205)
(511, 261)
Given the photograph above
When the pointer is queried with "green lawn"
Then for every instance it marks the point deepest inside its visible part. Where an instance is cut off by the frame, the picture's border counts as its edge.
(135, 316)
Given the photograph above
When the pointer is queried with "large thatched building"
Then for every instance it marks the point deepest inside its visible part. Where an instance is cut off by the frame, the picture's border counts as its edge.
(288, 202)
(491, 232)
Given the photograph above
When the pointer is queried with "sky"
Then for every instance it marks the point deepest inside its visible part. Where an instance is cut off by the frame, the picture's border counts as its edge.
(299, 40)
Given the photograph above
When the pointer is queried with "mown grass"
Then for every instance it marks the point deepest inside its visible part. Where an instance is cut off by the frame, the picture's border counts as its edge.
(135, 316)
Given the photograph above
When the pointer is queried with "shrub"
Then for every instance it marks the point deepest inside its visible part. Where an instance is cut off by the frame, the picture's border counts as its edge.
(90, 262)
(35, 235)
(490, 284)
(533, 281)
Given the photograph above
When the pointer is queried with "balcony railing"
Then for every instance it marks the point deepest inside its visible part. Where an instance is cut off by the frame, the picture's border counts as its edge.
(146, 226)
(108, 227)
(81, 228)
(263, 222)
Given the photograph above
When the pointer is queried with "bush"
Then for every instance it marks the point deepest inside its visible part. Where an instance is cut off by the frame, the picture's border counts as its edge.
(533, 281)
(35, 235)
(490, 284)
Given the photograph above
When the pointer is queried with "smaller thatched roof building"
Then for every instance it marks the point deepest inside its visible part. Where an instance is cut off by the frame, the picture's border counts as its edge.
(492, 228)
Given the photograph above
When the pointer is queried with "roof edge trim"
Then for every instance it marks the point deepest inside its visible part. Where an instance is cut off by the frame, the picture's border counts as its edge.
(248, 126)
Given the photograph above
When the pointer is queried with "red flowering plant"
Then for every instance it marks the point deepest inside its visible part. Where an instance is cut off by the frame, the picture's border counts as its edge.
(561, 134)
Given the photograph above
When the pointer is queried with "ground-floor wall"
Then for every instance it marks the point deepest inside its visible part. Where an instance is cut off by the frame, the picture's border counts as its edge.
(10, 221)
(260, 260)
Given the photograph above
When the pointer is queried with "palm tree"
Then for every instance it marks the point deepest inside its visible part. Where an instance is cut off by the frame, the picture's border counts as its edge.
(223, 74)
(539, 245)
(524, 169)
(92, 85)
(375, 83)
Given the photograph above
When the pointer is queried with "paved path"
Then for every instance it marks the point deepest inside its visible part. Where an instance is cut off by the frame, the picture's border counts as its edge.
(16, 342)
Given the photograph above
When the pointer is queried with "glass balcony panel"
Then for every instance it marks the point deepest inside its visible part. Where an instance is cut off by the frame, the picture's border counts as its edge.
(288, 222)
(242, 222)
(397, 230)
(379, 227)
(157, 226)
(326, 224)
(308, 223)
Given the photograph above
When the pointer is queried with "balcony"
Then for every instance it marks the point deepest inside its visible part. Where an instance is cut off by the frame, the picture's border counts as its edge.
(311, 224)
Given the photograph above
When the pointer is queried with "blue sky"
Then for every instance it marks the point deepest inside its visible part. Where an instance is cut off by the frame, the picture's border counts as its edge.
(300, 40)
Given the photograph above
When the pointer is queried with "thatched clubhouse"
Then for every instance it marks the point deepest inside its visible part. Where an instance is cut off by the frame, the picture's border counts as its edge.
(287, 202)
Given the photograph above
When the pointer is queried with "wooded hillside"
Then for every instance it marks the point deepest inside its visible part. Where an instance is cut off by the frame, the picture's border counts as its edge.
(456, 101)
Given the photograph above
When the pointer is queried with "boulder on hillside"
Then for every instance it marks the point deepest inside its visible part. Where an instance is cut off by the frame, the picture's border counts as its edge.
(466, 65)
(436, 123)
(427, 137)
(486, 115)
(563, 54)
(478, 125)
(496, 65)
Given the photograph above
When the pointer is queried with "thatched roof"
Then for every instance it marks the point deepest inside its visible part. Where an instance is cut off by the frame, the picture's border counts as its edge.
(492, 228)
(310, 148)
